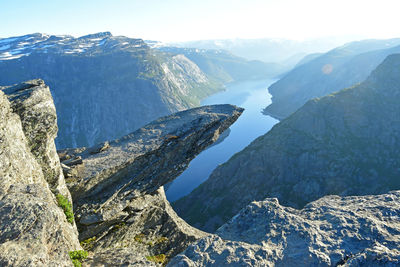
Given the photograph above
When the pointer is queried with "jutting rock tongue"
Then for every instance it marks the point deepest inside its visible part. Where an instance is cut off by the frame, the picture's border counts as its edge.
(117, 185)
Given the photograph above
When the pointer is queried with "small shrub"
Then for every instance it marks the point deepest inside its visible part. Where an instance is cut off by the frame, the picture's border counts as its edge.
(77, 263)
(88, 243)
(77, 256)
(161, 258)
(139, 238)
(119, 226)
(162, 240)
(66, 206)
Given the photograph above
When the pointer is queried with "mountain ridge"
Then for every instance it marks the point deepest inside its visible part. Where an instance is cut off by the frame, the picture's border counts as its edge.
(90, 73)
(337, 69)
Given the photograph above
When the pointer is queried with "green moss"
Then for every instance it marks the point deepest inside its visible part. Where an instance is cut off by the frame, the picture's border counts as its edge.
(118, 226)
(77, 263)
(161, 258)
(161, 240)
(77, 256)
(66, 206)
(88, 243)
(139, 238)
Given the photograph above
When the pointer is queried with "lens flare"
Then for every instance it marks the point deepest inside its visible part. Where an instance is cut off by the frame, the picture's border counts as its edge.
(327, 69)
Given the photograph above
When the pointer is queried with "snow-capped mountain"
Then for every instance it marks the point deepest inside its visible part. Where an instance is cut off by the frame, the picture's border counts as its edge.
(103, 86)
(17, 47)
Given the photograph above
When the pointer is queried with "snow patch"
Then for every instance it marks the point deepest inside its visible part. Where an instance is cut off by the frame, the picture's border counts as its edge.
(8, 56)
(4, 47)
(101, 42)
(9, 40)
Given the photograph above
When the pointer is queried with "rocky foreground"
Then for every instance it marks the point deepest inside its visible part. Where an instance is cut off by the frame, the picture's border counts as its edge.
(121, 211)
(332, 231)
(122, 218)
(34, 231)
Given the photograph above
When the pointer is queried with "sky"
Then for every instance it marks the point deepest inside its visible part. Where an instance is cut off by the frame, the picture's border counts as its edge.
(184, 20)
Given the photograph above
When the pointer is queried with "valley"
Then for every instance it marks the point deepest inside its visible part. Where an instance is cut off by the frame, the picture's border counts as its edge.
(199, 133)
(250, 95)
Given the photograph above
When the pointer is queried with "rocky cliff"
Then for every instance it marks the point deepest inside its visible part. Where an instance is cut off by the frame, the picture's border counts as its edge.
(347, 143)
(116, 187)
(332, 231)
(34, 230)
(123, 216)
(320, 75)
(90, 74)
(120, 208)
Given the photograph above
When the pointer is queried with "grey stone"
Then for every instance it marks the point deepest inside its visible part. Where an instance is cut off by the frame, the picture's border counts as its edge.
(99, 148)
(33, 102)
(33, 230)
(332, 231)
(117, 196)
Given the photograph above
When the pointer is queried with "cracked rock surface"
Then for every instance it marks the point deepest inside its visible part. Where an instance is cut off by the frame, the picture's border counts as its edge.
(332, 231)
(34, 231)
(117, 187)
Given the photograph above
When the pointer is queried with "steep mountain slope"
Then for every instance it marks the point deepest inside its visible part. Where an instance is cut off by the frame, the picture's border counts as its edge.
(104, 86)
(339, 68)
(347, 143)
(221, 65)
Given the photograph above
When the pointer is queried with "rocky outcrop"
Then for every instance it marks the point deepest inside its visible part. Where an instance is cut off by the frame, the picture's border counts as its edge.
(149, 228)
(34, 231)
(116, 186)
(121, 209)
(346, 143)
(33, 102)
(332, 231)
(330, 72)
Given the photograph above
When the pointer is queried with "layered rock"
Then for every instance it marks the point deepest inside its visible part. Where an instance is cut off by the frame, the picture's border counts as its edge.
(34, 231)
(116, 186)
(332, 231)
(33, 102)
(346, 143)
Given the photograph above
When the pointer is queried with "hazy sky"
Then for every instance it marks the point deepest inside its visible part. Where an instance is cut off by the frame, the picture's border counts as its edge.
(181, 20)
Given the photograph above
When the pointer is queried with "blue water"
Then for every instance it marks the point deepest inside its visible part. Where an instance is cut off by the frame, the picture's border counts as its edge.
(251, 95)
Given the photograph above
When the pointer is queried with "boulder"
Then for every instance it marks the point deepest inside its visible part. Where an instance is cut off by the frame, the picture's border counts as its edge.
(332, 231)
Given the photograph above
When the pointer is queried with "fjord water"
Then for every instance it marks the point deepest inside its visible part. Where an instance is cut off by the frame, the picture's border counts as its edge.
(251, 95)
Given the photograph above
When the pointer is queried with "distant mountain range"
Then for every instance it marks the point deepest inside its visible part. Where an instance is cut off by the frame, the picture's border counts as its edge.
(321, 74)
(221, 65)
(105, 86)
(285, 52)
(346, 143)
